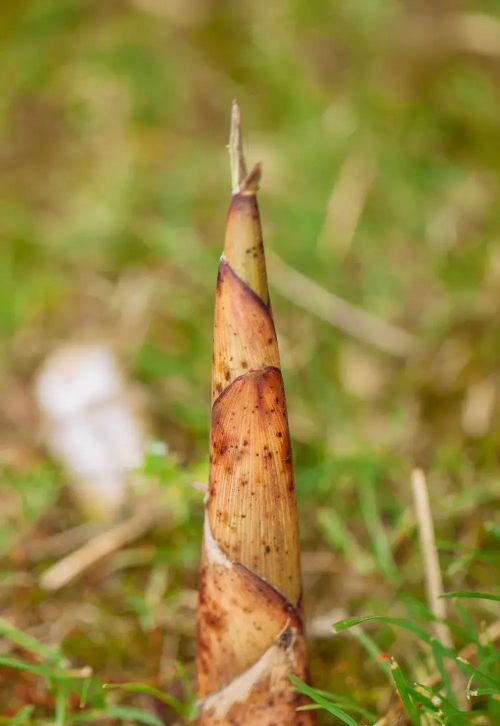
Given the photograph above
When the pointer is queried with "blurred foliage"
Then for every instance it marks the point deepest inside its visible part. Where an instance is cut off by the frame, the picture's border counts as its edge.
(114, 185)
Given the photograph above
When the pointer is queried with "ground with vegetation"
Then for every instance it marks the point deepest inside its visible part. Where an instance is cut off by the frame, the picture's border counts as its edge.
(378, 130)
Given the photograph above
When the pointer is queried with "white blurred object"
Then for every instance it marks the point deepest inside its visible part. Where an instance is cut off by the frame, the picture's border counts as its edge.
(93, 429)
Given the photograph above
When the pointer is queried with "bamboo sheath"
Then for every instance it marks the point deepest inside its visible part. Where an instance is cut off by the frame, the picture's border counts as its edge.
(250, 632)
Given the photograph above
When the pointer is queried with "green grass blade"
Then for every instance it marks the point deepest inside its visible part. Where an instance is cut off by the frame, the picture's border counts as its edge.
(61, 706)
(341, 702)
(423, 699)
(113, 713)
(473, 595)
(171, 701)
(370, 512)
(443, 672)
(400, 622)
(323, 702)
(469, 626)
(443, 701)
(477, 672)
(492, 658)
(403, 690)
(22, 716)
(486, 692)
(23, 665)
(336, 532)
(28, 642)
(85, 691)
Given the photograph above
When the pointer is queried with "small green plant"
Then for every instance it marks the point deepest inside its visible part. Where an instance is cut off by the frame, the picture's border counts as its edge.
(71, 696)
(472, 698)
(186, 708)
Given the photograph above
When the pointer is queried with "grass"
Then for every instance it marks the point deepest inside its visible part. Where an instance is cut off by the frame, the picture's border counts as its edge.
(114, 181)
(421, 703)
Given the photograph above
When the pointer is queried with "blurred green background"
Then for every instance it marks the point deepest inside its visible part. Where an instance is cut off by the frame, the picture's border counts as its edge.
(377, 124)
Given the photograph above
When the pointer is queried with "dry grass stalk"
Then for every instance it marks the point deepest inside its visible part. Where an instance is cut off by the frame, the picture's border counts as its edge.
(101, 546)
(250, 632)
(343, 315)
(432, 570)
(433, 577)
(346, 205)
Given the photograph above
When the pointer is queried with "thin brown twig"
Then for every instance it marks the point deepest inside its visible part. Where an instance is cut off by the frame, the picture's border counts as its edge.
(59, 544)
(75, 564)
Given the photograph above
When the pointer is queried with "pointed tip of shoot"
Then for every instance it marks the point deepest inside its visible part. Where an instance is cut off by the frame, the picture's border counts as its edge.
(241, 181)
(243, 247)
(237, 160)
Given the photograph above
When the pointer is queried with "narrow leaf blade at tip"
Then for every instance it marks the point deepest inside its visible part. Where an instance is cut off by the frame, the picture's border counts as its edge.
(472, 595)
(403, 690)
(327, 705)
(114, 713)
(171, 701)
